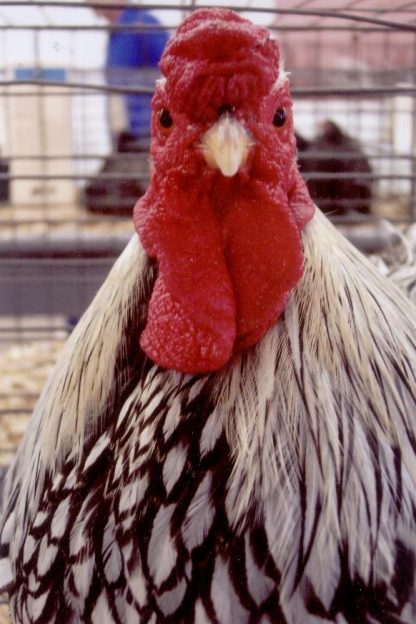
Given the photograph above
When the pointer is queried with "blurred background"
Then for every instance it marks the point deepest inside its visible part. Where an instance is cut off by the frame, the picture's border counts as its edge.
(75, 84)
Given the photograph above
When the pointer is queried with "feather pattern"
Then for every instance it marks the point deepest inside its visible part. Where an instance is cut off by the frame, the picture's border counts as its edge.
(291, 479)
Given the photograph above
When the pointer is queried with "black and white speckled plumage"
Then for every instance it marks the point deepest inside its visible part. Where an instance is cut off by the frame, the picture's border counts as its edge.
(279, 490)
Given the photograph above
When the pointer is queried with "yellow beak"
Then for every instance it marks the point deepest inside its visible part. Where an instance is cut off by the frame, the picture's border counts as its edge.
(225, 145)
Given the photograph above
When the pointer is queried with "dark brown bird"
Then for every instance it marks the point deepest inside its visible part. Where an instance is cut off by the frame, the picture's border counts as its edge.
(335, 168)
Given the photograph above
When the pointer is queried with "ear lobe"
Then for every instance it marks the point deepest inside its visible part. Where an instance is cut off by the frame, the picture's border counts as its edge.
(300, 201)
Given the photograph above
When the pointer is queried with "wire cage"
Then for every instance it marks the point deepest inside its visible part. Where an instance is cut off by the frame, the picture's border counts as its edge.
(70, 171)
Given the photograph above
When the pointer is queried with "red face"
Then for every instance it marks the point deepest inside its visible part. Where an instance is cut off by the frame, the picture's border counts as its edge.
(178, 136)
(226, 204)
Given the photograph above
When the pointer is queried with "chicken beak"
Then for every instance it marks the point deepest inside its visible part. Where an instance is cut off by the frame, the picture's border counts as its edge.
(225, 145)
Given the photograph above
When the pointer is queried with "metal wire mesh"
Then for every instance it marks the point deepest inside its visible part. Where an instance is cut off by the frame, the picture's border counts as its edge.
(352, 64)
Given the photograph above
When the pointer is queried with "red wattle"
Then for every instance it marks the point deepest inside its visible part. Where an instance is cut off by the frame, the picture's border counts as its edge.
(265, 260)
(227, 263)
(191, 322)
(175, 341)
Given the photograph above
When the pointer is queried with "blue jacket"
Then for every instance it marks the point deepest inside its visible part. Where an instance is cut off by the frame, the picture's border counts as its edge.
(132, 60)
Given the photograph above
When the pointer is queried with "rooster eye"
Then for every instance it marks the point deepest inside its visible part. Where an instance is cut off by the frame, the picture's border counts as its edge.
(279, 118)
(165, 120)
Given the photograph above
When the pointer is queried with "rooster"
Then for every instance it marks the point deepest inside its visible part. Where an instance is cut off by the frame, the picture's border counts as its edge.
(229, 434)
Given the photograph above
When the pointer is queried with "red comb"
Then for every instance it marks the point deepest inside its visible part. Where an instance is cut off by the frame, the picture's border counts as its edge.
(219, 43)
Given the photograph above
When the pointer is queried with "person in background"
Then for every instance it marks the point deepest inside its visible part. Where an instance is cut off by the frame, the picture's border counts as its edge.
(132, 60)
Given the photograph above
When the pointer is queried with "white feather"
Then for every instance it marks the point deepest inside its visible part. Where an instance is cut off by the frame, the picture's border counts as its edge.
(171, 599)
(47, 555)
(83, 377)
(41, 518)
(36, 605)
(82, 577)
(34, 583)
(78, 529)
(132, 494)
(97, 450)
(199, 515)
(161, 82)
(162, 553)
(137, 585)
(173, 466)
(210, 433)
(283, 75)
(201, 616)
(172, 419)
(101, 612)
(118, 470)
(227, 605)
(111, 552)
(6, 573)
(259, 585)
(8, 529)
(60, 518)
(131, 614)
(29, 549)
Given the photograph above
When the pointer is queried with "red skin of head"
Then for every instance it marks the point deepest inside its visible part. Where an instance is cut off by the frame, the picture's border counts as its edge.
(229, 250)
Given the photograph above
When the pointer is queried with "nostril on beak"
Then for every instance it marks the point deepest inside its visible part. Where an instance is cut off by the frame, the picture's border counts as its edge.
(226, 108)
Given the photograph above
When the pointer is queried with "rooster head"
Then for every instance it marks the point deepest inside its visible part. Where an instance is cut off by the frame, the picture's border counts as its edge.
(225, 207)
